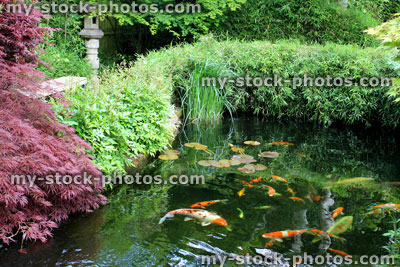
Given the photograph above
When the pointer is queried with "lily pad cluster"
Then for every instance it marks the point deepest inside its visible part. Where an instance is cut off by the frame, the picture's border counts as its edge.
(170, 155)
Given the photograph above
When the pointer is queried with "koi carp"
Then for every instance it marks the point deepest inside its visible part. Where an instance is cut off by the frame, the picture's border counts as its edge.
(297, 199)
(257, 180)
(208, 203)
(282, 234)
(241, 192)
(341, 253)
(279, 178)
(204, 216)
(271, 191)
(337, 212)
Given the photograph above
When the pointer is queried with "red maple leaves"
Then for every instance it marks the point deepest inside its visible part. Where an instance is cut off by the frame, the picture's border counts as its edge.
(32, 142)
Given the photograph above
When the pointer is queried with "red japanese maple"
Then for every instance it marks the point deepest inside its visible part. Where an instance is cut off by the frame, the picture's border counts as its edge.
(32, 142)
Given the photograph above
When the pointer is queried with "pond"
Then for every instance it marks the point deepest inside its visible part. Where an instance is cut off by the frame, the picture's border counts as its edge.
(127, 231)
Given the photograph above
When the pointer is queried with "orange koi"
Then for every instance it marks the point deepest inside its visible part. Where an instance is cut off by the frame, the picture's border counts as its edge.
(336, 212)
(301, 155)
(270, 244)
(246, 183)
(341, 253)
(388, 206)
(281, 143)
(279, 178)
(271, 191)
(204, 216)
(296, 199)
(207, 203)
(377, 211)
(257, 180)
(316, 198)
(290, 190)
(283, 234)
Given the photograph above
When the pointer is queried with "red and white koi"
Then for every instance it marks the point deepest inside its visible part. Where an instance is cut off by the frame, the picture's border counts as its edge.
(271, 191)
(283, 234)
(204, 216)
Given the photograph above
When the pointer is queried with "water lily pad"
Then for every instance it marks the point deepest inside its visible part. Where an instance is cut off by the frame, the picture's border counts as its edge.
(207, 163)
(260, 167)
(234, 162)
(197, 146)
(236, 149)
(225, 163)
(268, 154)
(176, 152)
(170, 156)
(252, 143)
(256, 167)
(244, 158)
(247, 169)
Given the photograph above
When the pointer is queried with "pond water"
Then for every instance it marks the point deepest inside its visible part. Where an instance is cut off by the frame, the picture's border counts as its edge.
(127, 231)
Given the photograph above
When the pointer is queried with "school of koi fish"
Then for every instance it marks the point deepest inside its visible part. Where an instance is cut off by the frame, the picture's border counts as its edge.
(198, 212)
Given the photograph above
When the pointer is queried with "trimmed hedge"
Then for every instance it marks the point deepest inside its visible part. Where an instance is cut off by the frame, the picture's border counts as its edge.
(326, 105)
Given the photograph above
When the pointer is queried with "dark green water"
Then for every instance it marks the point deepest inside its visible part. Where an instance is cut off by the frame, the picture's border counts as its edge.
(126, 232)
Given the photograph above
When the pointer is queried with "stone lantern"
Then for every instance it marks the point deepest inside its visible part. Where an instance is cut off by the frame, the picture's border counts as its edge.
(92, 35)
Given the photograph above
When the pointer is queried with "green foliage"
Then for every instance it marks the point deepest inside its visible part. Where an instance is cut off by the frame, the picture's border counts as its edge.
(65, 49)
(389, 34)
(64, 62)
(383, 9)
(312, 21)
(394, 236)
(204, 103)
(128, 114)
(326, 105)
(212, 13)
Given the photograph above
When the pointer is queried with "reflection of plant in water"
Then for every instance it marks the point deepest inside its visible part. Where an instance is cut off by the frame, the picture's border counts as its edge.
(394, 236)
(137, 209)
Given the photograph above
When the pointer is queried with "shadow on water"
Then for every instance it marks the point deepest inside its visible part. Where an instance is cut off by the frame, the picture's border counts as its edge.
(126, 231)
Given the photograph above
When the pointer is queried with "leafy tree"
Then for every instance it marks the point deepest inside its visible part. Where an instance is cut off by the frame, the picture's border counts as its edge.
(389, 34)
(212, 13)
(33, 143)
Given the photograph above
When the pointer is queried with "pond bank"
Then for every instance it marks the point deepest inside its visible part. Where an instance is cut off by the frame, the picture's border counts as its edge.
(126, 231)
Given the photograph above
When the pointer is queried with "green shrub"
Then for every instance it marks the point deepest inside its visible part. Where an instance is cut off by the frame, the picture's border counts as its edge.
(311, 21)
(326, 105)
(65, 50)
(383, 9)
(128, 114)
(64, 62)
